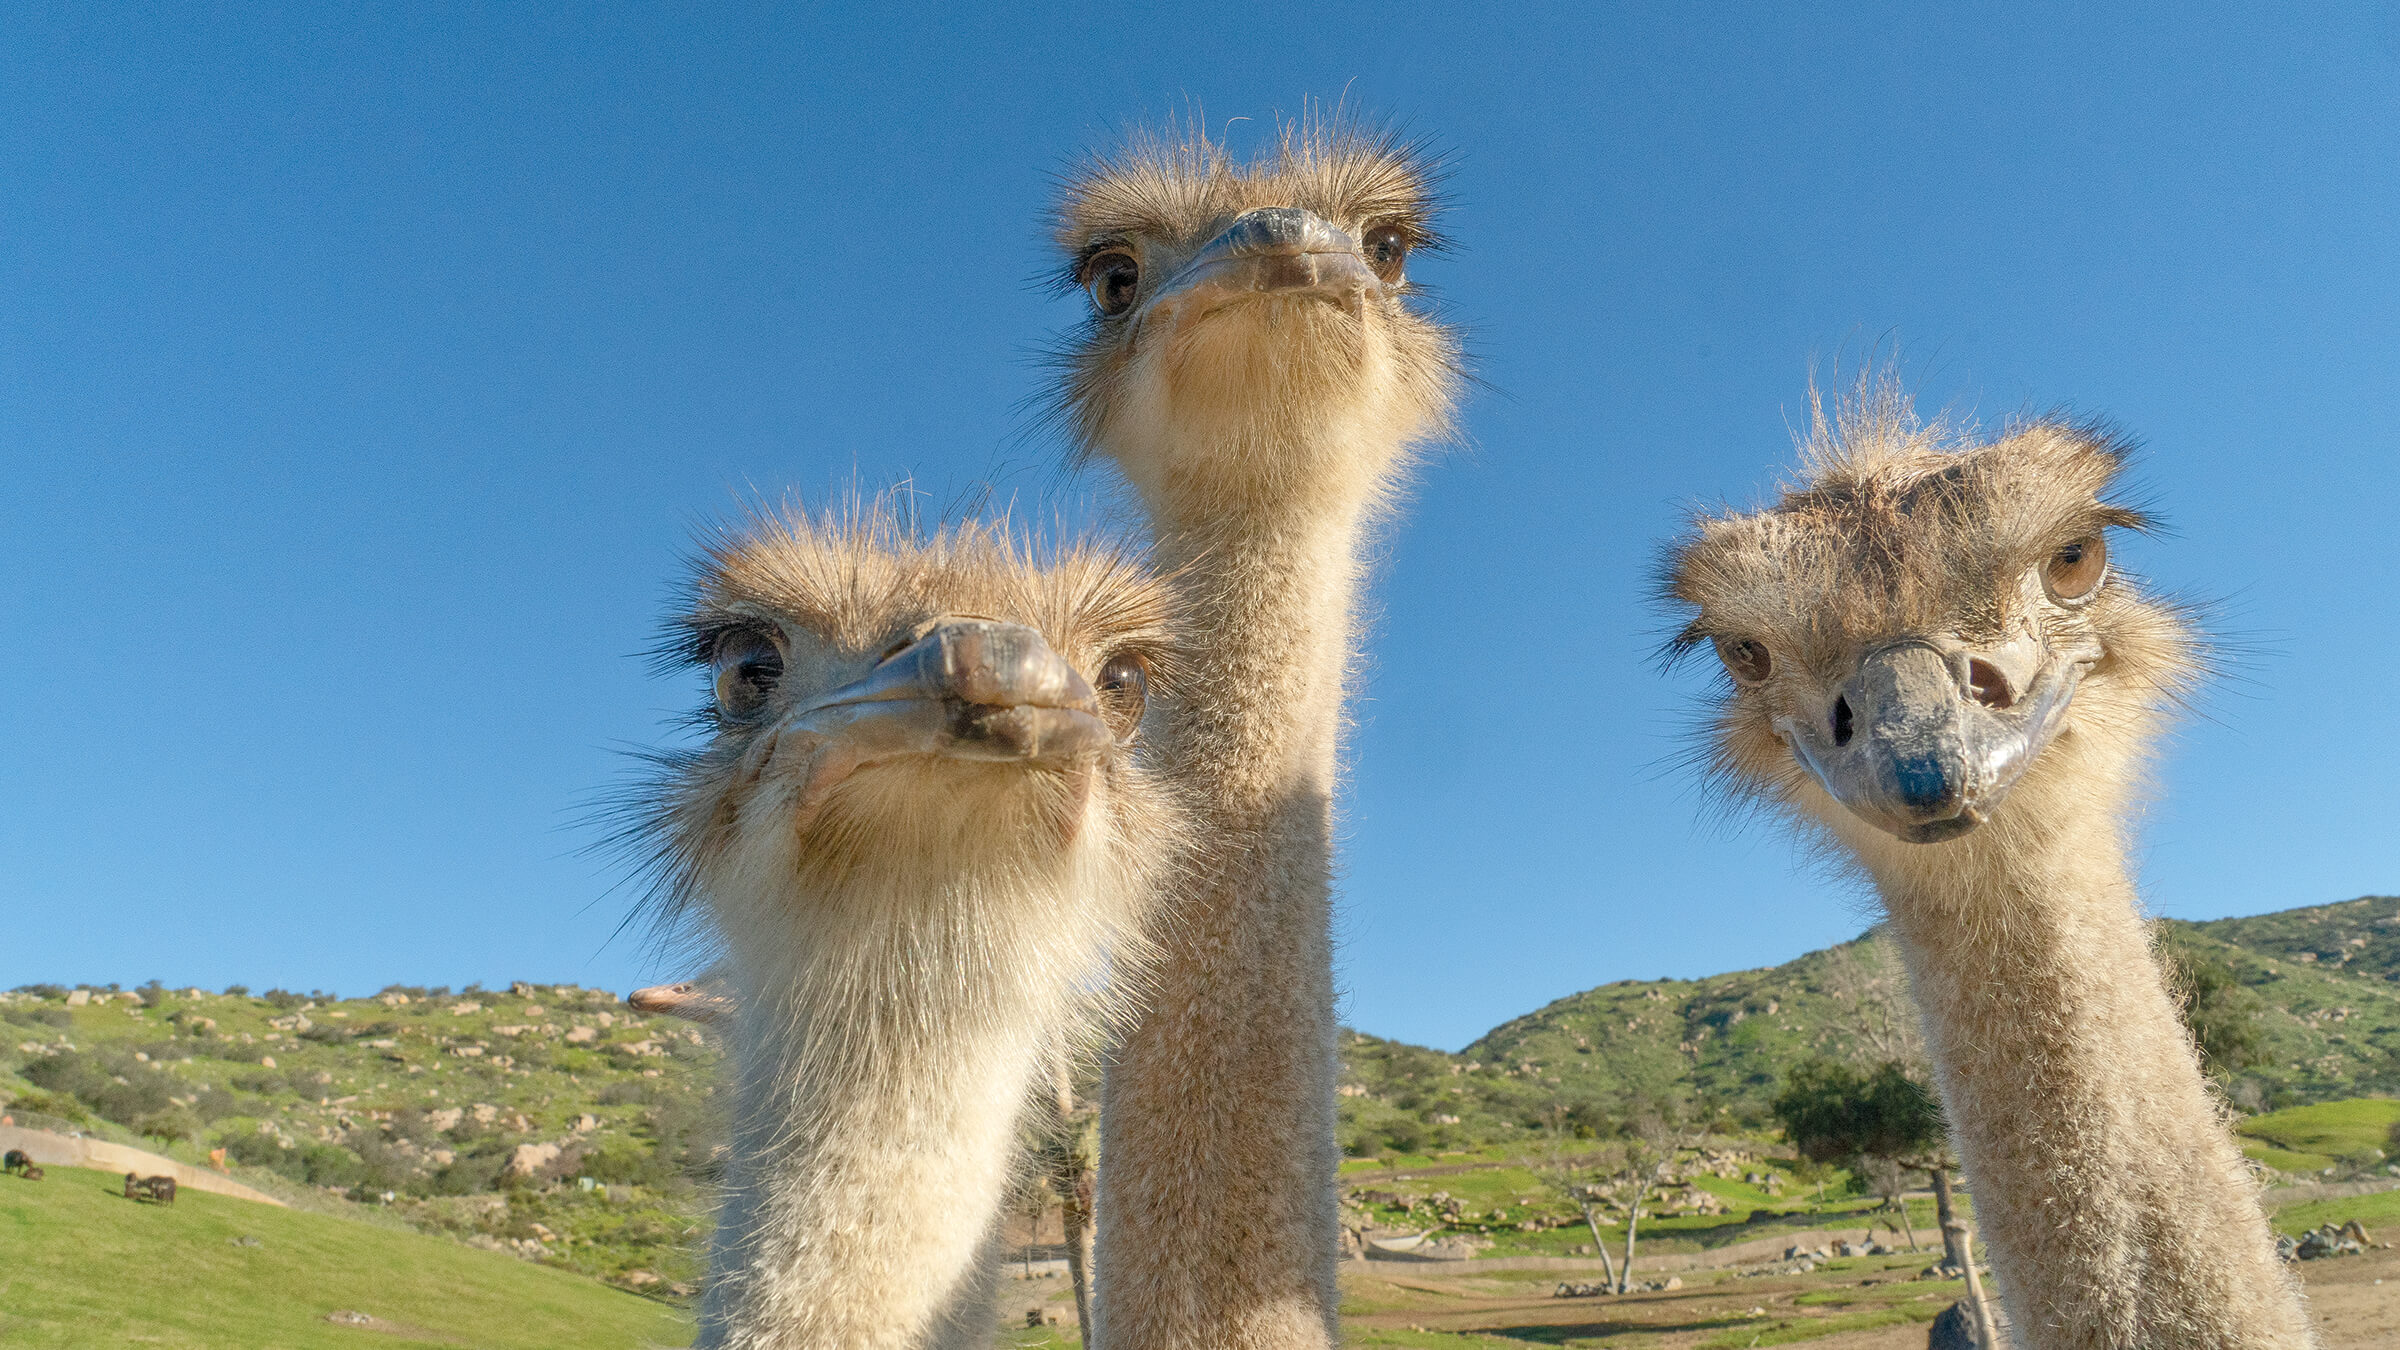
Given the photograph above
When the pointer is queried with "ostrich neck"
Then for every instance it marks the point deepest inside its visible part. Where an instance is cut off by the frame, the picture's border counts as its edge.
(1219, 1220)
(881, 1068)
(2117, 1210)
(1272, 602)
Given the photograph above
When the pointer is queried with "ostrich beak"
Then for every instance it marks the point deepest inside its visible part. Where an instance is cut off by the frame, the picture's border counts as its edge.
(1281, 251)
(1925, 738)
(688, 1000)
(971, 689)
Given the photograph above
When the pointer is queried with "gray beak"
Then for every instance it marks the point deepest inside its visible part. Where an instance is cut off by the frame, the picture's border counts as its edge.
(688, 1000)
(1913, 748)
(970, 689)
(1272, 250)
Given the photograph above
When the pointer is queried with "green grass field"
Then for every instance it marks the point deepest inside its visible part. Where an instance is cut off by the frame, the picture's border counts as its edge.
(2359, 1126)
(82, 1266)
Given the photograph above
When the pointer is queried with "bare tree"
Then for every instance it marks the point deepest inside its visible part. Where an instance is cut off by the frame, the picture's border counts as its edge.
(1557, 1165)
(1071, 1158)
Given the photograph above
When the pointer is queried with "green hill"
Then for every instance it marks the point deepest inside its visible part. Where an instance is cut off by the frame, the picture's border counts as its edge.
(2326, 1028)
(550, 1122)
(2356, 937)
(82, 1266)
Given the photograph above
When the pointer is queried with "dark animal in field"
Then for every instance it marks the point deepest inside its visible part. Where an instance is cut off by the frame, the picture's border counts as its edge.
(20, 1163)
(160, 1189)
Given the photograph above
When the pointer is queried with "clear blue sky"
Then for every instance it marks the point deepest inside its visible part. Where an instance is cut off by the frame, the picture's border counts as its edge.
(363, 371)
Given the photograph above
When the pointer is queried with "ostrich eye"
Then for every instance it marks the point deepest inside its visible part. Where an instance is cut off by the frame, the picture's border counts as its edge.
(1386, 250)
(1124, 689)
(1110, 278)
(2074, 573)
(748, 665)
(1749, 661)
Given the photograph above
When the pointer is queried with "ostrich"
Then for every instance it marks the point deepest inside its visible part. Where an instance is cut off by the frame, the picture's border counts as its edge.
(918, 840)
(1257, 366)
(1933, 665)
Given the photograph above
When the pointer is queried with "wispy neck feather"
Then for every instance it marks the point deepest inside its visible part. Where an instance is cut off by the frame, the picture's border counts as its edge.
(2118, 1211)
(887, 1036)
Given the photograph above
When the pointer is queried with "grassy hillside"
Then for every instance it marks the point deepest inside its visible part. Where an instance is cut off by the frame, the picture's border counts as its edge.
(2355, 937)
(549, 1122)
(2326, 1029)
(82, 1266)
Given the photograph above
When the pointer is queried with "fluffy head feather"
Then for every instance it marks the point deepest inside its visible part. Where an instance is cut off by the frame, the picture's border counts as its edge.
(1899, 529)
(1227, 403)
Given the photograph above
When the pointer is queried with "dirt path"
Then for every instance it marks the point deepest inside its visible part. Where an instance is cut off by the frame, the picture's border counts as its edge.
(1863, 1305)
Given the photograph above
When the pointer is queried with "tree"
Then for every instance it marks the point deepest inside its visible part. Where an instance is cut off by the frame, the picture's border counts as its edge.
(1654, 1132)
(1557, 1166)
(1070, 1153)
(2219, 1012)
(1880, 1121)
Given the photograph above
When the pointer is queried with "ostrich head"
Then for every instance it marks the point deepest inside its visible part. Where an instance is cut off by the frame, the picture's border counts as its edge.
(907, 731)
(1925, 636)
(1250, 321)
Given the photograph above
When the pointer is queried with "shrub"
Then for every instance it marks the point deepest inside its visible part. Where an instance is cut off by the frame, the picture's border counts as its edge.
(215, 1103)
(237, 991)
(57, 1104)
(116, 1087)
(284, 998)
(170, 1123)
(43, 990)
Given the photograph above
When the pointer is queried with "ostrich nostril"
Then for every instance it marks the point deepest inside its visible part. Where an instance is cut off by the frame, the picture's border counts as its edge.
(1989, 685)
(1841, 721)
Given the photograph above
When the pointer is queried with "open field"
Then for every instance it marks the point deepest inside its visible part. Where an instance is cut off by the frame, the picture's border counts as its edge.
(80, 1265)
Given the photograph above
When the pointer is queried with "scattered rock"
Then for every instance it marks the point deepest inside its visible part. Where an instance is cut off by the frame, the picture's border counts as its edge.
(643, 1279)
(2319, 1243)
(245, 1240)
(581, 1035)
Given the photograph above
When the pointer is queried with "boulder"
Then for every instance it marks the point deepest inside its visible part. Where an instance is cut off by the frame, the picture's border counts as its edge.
(1953, 1329)
(527, 1160)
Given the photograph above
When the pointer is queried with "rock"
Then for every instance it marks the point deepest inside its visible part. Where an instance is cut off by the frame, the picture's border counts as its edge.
(266, 1061)
(1953, 1329)
(526, 1160)
(77, 998)
(1674, 1282)
(446, 1119)
(581, 1035)
(641, 1279)
(586, 1123)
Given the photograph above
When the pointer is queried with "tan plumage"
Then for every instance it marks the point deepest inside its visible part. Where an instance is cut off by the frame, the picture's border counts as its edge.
(2118, 1212)
(1259, 367)
(919, 844)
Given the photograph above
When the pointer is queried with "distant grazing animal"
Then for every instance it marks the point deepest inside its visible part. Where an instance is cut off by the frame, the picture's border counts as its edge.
(921, 845)
(1260, 366)
(160, 1189)
(20, 1163)
(1931, 661)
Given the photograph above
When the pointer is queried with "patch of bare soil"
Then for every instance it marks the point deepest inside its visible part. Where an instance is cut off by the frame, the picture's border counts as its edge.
(1861, 1305)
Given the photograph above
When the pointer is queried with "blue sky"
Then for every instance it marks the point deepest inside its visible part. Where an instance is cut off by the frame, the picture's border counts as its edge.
(363, 372)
